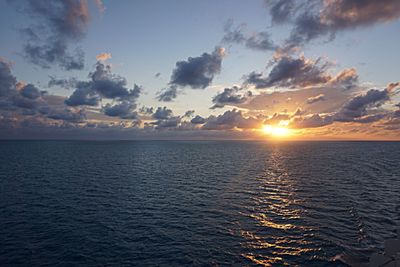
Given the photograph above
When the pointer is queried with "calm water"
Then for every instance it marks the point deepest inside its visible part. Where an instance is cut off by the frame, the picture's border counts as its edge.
(196, 203)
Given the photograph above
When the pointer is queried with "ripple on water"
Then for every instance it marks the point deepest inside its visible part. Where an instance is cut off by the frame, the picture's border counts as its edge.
(196, 203)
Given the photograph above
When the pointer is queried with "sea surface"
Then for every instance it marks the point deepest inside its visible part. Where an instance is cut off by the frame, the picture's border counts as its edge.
(196, 203)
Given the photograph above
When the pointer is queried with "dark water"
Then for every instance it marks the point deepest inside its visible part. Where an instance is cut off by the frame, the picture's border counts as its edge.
(196, 203)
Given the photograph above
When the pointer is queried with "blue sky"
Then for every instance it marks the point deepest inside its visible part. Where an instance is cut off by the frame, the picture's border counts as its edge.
(150, 37)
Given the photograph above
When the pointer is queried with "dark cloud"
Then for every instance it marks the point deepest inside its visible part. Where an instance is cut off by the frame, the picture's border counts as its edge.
(103, 84)
(124, 110)
(357, 107)
(233, 35)
(257, 41)
(83, 95)
(198, 120)
(290, 100)
(58, 24)
(162, 113)
(230, 96)
(168, 123)
(195, 72)
(231, 119)
(16, 96)
(63, 83)
(146, 110)
(312, 121)
(165, 119)
(291, 73)
(307, 27)
(281, 11)
(19, 101)
(67, 114)
(314, 19)
(198, 72)
(276, 118)
(30, 91)
(111, 86)
(25, 103)
(7, 80)
(189, 113)
(344, 14)
(168, 94)
(317, 98)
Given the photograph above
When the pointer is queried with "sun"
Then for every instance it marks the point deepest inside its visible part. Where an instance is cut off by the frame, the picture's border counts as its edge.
(277, 131)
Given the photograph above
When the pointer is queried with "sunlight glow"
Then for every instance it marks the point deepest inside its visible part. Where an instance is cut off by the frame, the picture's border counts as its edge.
(277, 131)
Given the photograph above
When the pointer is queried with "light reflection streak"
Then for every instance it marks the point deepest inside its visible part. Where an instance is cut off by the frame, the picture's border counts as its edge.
(276, 210)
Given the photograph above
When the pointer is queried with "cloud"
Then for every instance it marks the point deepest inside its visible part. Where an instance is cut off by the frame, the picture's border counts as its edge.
(231, 119)
(276, 118)
(198, 120)
(198, 72)
(104, 84)
(30, 91)
(289, 72)
(347, 79)
(311, 121)
(165, 118)
(58, 24)
(292, 100)
(314, 99)
(7, 80)
(111, 86)
(66, 114)
(146, 110)
(281, 11)
(162, 113)
(370, 118)
(124, 110)
(168, 123)
(195, 72)
(189, 113)
(358, 110)
(63, 83)
(257, 41)
(357, 107)
(314, 19)
(230, 96)
(26, 105)
(17, 96)
(393, 86)
(168, 94)
(292, 72)
(83, 95)
(103, 56)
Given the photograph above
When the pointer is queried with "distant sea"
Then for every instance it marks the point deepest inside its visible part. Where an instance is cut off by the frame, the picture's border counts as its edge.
(196, 203)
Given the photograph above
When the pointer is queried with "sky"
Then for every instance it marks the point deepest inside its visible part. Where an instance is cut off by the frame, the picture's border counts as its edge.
(185, 69)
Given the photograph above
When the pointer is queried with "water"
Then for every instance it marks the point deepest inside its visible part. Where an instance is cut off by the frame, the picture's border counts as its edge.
(160, 203)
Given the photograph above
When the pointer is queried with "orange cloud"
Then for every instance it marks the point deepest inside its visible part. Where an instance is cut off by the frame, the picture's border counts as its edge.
(103, 56)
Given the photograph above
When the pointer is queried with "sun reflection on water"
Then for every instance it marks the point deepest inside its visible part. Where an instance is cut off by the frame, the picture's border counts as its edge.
(279, 229)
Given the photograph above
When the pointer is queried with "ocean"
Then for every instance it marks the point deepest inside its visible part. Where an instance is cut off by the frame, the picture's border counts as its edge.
(196, 203)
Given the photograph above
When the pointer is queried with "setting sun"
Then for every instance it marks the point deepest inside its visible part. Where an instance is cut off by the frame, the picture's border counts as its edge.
(276, 130)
